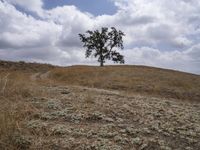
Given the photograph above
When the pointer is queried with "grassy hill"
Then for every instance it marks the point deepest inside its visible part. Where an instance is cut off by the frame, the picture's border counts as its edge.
(133, 79)
(87, 107)
(21, 66)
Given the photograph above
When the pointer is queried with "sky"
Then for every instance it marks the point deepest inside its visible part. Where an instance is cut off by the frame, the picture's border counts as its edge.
(159, 33)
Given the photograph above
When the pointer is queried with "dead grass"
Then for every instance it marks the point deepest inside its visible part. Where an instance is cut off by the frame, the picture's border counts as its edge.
(89, 98)
(8, 126)
(134, 79)
(15, 89)
(24, 66)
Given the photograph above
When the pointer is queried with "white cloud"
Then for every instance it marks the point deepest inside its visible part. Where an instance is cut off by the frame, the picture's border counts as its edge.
(72, 21)
(30, 5)
(157, 32)
(164, 21)
(187, 60)
(20, 31)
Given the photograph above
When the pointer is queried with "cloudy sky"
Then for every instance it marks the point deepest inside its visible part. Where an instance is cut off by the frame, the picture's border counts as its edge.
(161, 33)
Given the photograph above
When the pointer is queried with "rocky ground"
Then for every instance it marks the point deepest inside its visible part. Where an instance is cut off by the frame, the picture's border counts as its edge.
(74, 117)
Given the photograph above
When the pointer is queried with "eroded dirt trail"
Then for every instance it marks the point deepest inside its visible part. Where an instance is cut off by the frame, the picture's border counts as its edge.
(39, 75)
(73, 117)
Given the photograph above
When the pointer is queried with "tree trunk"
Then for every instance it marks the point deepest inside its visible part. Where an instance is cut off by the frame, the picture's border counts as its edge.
(101, 59)
(101, 64)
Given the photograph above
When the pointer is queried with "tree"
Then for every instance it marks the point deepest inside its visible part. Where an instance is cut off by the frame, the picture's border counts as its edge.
(101, 44)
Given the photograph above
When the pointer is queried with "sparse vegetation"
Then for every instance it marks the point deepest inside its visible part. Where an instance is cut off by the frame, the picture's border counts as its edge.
(113, 107)
(13, 92)
(89, 98)
(133, 79)
(8, 125)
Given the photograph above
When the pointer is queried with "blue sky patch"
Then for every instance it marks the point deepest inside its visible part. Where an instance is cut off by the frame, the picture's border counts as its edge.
(95, 7)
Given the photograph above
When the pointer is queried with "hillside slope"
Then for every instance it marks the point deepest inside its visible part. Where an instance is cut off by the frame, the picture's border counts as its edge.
(22, 66)
(133, 79)
(93, 108)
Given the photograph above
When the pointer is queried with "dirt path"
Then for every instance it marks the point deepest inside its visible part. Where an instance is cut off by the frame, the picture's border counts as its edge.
(39, 75)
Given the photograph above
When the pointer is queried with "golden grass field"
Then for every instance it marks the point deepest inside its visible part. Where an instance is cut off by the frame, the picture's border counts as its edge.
(17, 87)
(133, 79)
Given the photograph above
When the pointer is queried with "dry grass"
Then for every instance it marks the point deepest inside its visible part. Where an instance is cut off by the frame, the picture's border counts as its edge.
(8, 126)
(15, 88)
(134, 79)
(18, 92)
(89, 98)
(24, 67)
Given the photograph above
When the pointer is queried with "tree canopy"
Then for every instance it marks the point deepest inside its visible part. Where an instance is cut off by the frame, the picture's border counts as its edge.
(104, 44)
